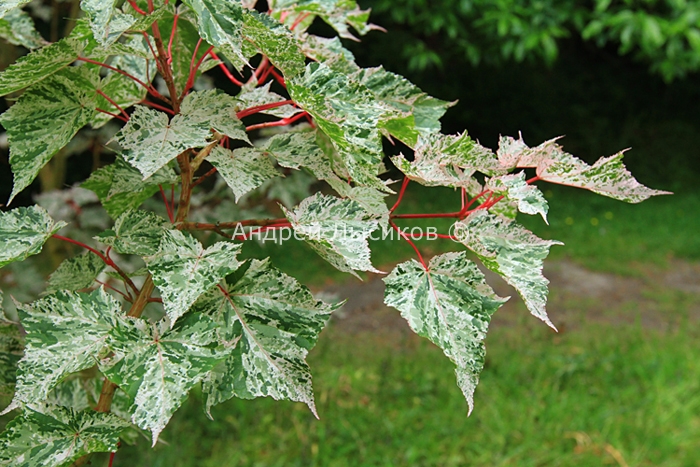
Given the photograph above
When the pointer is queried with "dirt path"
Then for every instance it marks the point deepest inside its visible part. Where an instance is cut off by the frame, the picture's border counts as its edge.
(656, 299)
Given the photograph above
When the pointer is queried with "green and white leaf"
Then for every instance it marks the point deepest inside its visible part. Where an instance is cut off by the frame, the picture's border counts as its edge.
(243, 169)
(271, 322)
(607, 176)
(337, 229)
(216, 109)
(529, 198)
(9, 5)
(417, 114)
(340, 14)
(150, 140)
(157, 366)
(348, 113)
(120, 187)
(448, 160)
(135, 233)
(262, 95)
(17, 28)
(107, 21)
(45, 119)
(330, 52)
(450, 304)
(275, 41)
(23, 231)
(66, 332)
(511, 251)
(76, 273)
(183, 270)
(58, 436)
(11, 350)
(40, 64)
(221, 25)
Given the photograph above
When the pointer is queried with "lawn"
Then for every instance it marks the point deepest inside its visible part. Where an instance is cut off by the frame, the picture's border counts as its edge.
(602, 395)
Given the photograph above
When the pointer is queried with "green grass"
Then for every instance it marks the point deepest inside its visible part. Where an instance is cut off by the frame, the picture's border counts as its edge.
(574, 399)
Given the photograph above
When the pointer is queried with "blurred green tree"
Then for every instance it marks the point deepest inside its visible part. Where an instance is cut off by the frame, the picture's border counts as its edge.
(663, 34)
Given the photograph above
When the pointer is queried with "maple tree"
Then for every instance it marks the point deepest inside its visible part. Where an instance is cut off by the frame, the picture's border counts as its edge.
(240, 328)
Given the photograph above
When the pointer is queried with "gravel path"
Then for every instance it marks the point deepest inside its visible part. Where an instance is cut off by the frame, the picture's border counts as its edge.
(656, 298)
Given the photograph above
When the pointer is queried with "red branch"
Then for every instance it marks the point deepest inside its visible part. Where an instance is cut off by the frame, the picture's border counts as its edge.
(109, 99)
(170, 42)
(413, 245)
(194, 67)
(203, 177)
(168, 208)
(107, 260)
(223, 67)
(136, 7)
(406, 180)
(283, 122)
(150, 89)
(533, 179)
(112, 115)
(157, 106)
(278, 77)
(260, 108)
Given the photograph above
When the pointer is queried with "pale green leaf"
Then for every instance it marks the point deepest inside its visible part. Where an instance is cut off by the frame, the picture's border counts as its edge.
(448, 160)
(271, 322)
(135, 233)
(262, 95)
(23, 231)
(337, 229)
(157, 366)
(40, 64)
(183, 270)
(607, 176)
(417, 114)
(451, 305)
(221, 25)
(120, 187)
(243, 169)
(17, 28)
(9, 5)
(106, 20)
(150, 140)
(45, 119)
(528, 198)
(11, 350)
(348, 113)
(76, 273)
(66, 332)
(57, 437)
(511, 251)
(275, 41)
(330, 52)
(298, 149)
(340, 14)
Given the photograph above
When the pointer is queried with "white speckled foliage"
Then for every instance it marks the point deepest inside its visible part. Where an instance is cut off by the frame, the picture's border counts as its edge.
(57, 436)
(450, 304)
(512, 251)
(183, 269)
(161, 299)
(270, 322)
(157, 366)
(337, 229)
